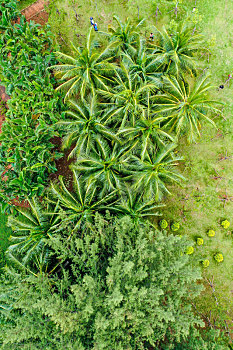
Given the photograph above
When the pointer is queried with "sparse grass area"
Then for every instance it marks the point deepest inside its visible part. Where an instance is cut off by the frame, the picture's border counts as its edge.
(200, 205)
(25, 3)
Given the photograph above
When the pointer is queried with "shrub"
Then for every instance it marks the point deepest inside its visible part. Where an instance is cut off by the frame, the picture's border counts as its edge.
(200, 241)
(205, 263)
(175, 226)
(218, 257)
(225, 224)
(189, 250)
(163, 224)
(211, 233)
(114, 292)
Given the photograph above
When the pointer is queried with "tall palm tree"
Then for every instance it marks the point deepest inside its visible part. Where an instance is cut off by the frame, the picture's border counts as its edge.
(106, 168)
(183, 107)
(129, 96)
(80, 205)
(86, 71)
(125, 35)
(176, 52)
(143, 65)
(133, 204)
(85, 127)
(147, 134)
(31, 227)
(152, 173)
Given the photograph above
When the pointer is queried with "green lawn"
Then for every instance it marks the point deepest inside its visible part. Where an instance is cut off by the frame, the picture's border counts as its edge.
(198, 205)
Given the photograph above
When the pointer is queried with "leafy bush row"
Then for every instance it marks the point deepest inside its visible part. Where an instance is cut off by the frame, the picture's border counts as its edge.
(27, 153)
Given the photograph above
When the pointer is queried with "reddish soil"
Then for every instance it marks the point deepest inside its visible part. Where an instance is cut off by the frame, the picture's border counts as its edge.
(62, 164)
(36, 12)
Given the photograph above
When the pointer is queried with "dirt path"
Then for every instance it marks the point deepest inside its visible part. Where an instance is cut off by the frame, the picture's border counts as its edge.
(36, 12)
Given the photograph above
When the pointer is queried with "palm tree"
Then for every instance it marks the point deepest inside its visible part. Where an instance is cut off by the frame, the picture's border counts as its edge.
(152, 173)
(80, 205)
(129, 96)
(176, 52)
(147, 134)
(31, 227)
(86, 71)
(133, 204)
(106, 168)
(183, 107)
(126, 35)
(86, 127)
(143, 65)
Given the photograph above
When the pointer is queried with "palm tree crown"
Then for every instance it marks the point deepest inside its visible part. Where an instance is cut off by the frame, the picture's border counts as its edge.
(87, 70)
(176, 52)
(79, 205)
(184, 107)
(86, 127)
(31, 227)
(126, 35)
(129, 96)
(106, 168)
(153, 173)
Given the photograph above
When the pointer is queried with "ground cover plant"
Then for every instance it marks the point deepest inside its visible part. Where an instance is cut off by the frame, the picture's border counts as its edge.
(123, 124)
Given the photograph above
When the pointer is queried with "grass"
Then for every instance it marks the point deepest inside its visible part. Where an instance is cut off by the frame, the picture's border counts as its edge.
(25, 3)
(202, 203)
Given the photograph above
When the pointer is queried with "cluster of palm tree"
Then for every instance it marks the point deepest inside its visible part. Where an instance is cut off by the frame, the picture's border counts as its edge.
(128, 105)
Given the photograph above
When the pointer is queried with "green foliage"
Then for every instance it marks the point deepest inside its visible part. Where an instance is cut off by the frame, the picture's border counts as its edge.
(200, 241)
(189, 250)
(176, 52)
(9, 13)
(26, 52)
(218, 257)
(183, 107)
(113, 295)
(206, 339)
(78, 205)
(175, 226)
(211, 233)
(86, 126)
(225, 224)
(125, 36)
(30, 228)
(86, 71)
(163, 224)
(205, 263)
(154, 172)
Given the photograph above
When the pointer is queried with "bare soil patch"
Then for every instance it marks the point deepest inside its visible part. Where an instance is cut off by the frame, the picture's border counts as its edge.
(36, 12)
